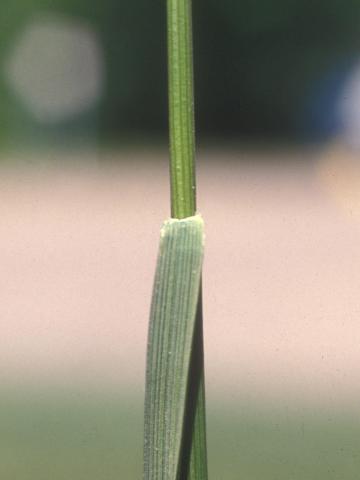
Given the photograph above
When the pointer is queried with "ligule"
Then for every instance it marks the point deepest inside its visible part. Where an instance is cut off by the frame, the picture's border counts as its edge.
(170, 344)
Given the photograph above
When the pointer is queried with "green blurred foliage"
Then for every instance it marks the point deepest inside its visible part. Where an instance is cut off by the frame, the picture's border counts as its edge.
(264, 57)
(256, 61)
(74, 435)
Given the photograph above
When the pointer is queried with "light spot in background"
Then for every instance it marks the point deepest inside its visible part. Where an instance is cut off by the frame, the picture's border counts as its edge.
(338, 163)
(350, 108)
(339, 173)
(56, 68)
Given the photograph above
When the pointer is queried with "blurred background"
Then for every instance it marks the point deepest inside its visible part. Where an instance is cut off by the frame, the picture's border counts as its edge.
(84, 190)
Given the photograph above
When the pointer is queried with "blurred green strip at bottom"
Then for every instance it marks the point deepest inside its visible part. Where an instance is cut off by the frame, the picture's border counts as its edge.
(173, 315)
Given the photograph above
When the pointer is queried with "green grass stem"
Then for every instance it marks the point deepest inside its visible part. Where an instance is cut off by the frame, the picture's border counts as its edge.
(181, 109)
(175, 436)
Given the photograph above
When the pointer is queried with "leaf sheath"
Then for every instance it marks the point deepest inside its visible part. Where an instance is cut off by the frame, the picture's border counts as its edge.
(173, 322)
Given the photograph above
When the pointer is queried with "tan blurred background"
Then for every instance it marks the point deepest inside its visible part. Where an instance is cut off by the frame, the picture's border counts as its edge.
(282, 267)
(78, 251)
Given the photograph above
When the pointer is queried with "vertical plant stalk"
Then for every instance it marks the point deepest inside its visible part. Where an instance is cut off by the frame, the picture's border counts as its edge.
(174, 436)
(183, 204)
(181, 109)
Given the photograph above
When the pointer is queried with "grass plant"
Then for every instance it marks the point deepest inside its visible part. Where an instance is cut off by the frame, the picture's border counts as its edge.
(175, 435)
